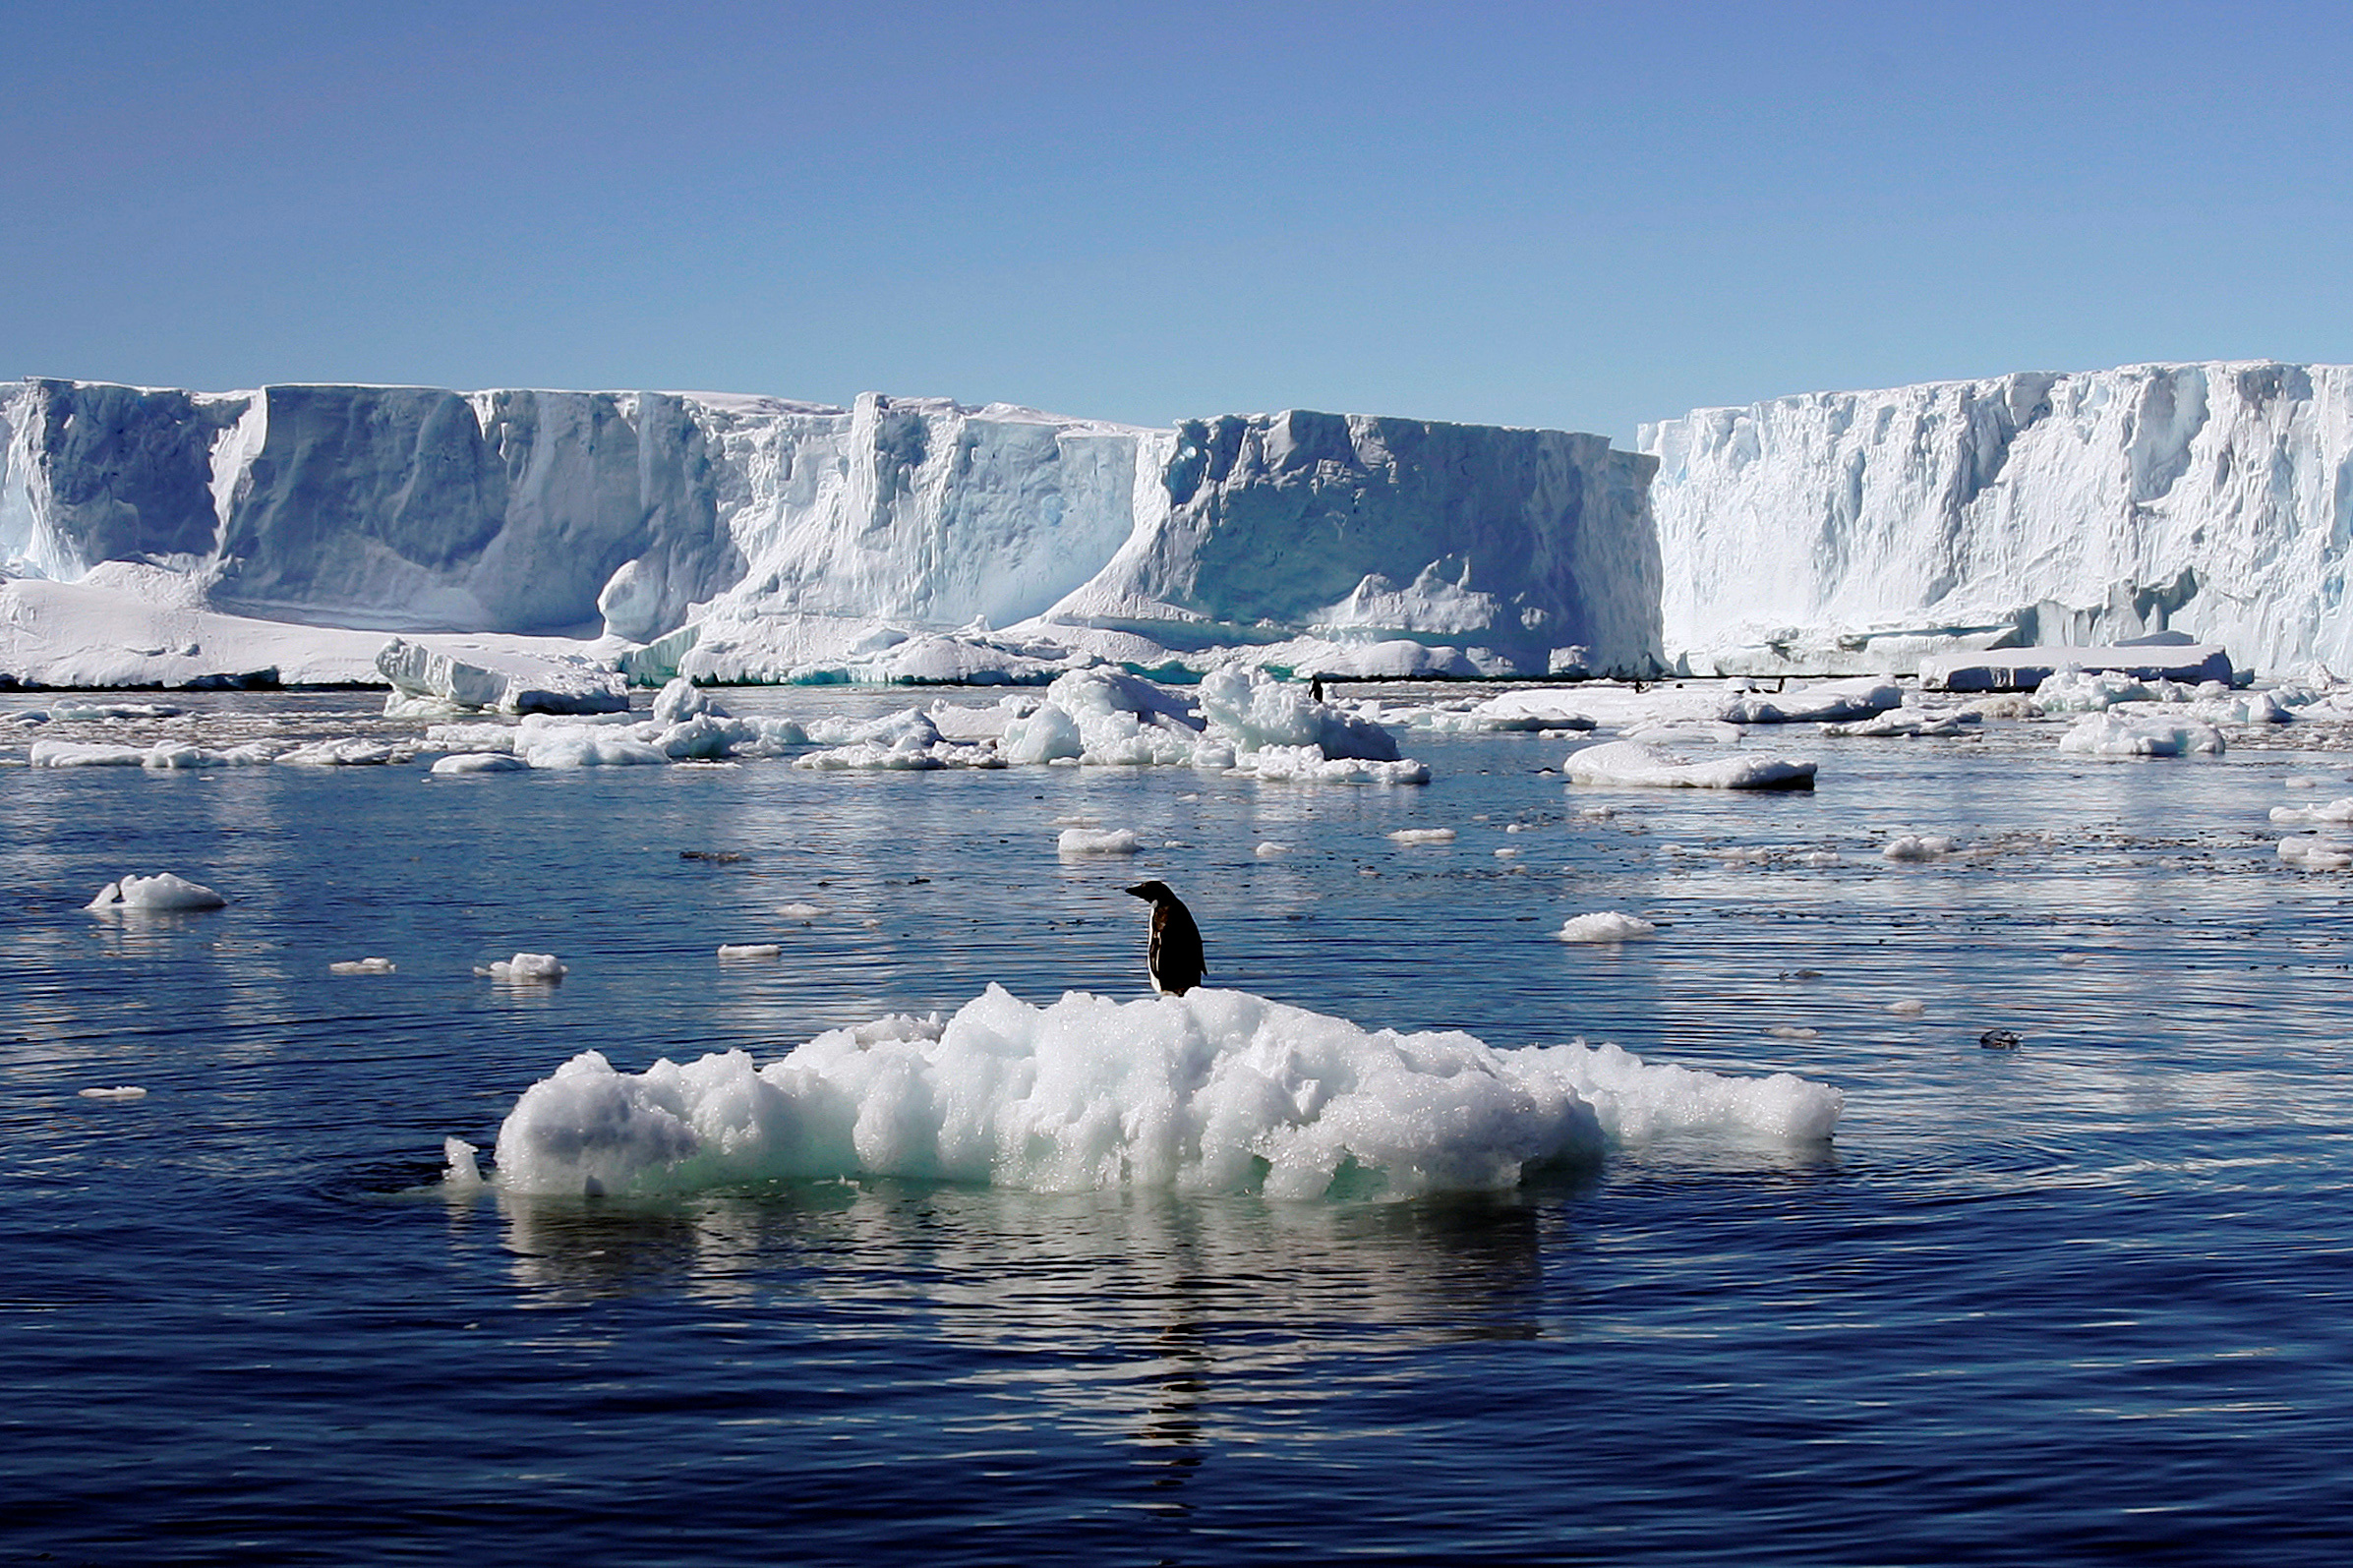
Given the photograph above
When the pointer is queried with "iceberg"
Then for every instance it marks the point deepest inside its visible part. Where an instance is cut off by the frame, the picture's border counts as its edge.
(1872, 532)
(750, 538)
(1214, 1091)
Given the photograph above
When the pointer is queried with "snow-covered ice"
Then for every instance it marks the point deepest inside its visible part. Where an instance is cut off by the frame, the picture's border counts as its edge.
(761, 539)
(2114, 734)
(1214, 1091)
(1086, 841)
(1638, 764)
(1872, 531)
(163, 890)
(1605, 926)
(524, 968)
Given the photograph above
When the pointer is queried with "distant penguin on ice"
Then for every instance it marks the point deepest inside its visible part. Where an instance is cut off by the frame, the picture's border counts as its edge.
(1174, 958)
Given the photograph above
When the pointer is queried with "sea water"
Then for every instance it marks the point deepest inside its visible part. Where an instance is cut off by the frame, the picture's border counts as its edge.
(2082, 1297)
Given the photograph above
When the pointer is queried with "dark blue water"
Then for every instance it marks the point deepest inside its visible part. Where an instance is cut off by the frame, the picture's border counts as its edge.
(2085, 1301)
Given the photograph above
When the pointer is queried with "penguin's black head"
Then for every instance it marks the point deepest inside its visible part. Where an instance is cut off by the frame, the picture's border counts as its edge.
(1154, 890)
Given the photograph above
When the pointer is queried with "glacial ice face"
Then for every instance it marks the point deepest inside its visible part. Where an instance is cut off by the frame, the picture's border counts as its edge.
(2214, 500)
(781, 530)
(1354, 528)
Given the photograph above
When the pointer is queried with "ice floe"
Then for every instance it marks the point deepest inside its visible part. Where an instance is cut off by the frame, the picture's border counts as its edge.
(1605, 926)
(2113, 734)
(1638, 764)
(163, 890)
(524, 968)
(1210, 1092)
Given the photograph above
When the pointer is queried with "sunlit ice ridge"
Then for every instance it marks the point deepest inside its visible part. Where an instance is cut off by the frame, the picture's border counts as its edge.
(1849, 533)
(752, 539)
(158, 536)
(1214, 1091)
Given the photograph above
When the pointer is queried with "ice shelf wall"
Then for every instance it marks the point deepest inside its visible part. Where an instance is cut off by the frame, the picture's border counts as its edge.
(1859, 529)
(580, 513)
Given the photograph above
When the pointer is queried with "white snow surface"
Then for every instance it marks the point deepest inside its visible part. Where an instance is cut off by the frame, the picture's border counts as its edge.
(163, 890)
(1865, 531)
(745, 538)
(1216, 1091)
(2117, 734)
(1641, 765)
(1605, 926)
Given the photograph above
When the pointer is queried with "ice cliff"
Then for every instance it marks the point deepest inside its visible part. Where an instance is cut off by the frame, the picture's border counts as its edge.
(1859, 531)
(746, 536)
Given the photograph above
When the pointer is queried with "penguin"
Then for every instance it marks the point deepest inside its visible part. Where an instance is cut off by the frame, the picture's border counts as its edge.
(1174, 958)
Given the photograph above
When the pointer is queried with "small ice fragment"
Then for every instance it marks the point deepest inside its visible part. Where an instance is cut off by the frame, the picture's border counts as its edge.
(462, 1169)
(2073, 959)
(360, 966)
(1424, 836)
(121, 1091)
(1918, 847)
(1793, 1031)
(1908, 1008)
(800, 911)
(1268, 849)
(1507, 853)
(731, 950)
(161, 891)
(481, 762)
(1605, 925)
(1080, 841)
(524, 968)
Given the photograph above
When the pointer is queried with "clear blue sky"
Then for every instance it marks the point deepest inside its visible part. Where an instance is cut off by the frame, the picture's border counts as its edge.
(1553, 214)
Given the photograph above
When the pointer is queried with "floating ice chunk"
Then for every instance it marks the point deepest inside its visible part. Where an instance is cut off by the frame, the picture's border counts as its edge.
(481, 762)
(681, 699)
(361, 966)
(350, 751)
(1267, 849)
(1252, 710)
(1411, 836)
(1086, 840)
(1830, 700)
(505, 679)
(1684, 732)
(583, 745)
(1908, 1008)
(1634, 763)
(2312, 852)
(163, 890)
(1214, 1091)
(524, 968)
(1605, 925)
(1911, 723)
(1918, 847)
(120, 1091)
(1307, 765)
(460, 1167)
(2340, 810)
(2108, 734)
(84, 754)
(734, 951)
(1794, 1031)
(2084, 691)
(800, 911)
